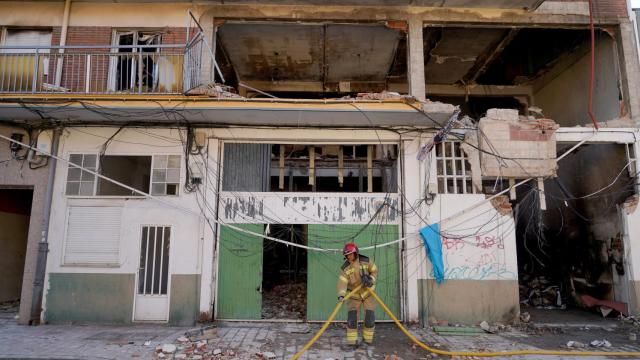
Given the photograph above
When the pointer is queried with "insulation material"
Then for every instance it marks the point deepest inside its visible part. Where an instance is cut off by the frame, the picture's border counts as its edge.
(526, 147)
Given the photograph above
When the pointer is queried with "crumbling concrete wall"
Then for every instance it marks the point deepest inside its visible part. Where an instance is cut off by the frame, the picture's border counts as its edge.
(565, 98)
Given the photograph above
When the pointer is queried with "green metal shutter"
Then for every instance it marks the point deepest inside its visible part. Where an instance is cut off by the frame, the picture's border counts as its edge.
(324, 268)
(240, 273)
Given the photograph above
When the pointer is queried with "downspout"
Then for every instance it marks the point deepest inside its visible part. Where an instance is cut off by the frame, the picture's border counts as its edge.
(63, 40)
(43, 245)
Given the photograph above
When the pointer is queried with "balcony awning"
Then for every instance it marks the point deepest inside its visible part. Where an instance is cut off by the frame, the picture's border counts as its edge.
(203, 111)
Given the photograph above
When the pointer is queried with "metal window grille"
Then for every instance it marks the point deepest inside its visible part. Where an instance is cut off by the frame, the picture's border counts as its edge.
(166, 175)
(454, 170)
(80, 182)
(154, 260)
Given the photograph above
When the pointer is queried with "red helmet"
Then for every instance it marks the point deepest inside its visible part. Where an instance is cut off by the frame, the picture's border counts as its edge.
(349, 248)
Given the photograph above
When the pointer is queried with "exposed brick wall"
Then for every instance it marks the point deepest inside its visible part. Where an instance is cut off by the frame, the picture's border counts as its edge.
(74, 68)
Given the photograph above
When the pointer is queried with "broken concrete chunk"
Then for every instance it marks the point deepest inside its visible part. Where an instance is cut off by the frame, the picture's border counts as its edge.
(180, 356)
(182, 339)
(196, 357)
(217, 352)
(168, 348)
(268, 355)
(485, 326)
(575, 344)
(503, 114)
(161, 356)
(601, 343)
(525, 317)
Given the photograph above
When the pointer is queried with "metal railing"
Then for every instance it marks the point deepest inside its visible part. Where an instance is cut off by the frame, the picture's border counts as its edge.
(137, 69)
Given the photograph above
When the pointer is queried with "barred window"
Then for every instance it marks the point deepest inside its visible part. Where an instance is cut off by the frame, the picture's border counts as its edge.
(454, 170)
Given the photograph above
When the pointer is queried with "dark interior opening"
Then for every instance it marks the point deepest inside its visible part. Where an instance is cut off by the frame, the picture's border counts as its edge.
(575, 248)
(284, 275)
(15, 213)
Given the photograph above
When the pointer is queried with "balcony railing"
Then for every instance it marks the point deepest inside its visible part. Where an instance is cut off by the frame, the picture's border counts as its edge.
(138, 69)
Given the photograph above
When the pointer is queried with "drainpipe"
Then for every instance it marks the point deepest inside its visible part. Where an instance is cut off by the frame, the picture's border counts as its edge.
(63, 40)
(43, 245)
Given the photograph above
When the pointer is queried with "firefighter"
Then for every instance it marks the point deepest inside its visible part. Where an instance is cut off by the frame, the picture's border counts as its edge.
(358, 270)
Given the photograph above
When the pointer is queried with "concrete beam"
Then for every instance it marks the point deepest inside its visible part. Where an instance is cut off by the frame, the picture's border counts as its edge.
(471, 90)
(415, 59)
(430, 89)
(433, 15)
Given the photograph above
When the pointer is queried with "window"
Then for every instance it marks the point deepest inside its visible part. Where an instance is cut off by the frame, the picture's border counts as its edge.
(19, 65)
(133, 71)
(166, 175)
(93, 236)
(454, 170)
(80, 182)
(132, 170)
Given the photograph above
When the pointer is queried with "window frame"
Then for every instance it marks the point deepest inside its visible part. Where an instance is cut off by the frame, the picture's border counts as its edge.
(95, 181)
(441, 163)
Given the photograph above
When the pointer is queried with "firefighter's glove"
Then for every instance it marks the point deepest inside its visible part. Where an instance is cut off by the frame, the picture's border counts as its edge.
(367, 281)
(340, 298)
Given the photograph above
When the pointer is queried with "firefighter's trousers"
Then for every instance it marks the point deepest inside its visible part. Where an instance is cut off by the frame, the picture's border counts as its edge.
(354, 304)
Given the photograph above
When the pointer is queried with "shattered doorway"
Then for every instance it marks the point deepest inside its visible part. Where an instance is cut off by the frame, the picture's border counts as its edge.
(571, 254)
(284, 275)
(15, 214)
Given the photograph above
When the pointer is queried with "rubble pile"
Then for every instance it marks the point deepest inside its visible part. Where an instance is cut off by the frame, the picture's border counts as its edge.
(288, 301)
(10, 306)
(194, 345)
(540, 292)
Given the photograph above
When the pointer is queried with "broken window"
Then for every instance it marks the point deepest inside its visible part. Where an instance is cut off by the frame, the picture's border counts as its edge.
(135, 67)
(333, 168)
(454, 170)
(80, 182)
(166, 175)
(131, 170)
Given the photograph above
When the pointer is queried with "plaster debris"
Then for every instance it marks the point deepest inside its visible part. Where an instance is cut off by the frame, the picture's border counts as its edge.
(168, 348)
(268, 355)
(217, 352)
(601, 343)
(575, 344)
(183, 339)
(287, 301)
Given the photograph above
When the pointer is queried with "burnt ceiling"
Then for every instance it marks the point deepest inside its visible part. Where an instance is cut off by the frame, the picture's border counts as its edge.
(325, 53)
(374, 55)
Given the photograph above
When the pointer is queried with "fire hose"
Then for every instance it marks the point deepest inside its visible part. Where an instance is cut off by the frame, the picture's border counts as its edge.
(453, 353)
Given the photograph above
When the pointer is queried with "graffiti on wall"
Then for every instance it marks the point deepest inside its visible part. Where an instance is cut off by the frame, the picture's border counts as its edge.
(482, 257)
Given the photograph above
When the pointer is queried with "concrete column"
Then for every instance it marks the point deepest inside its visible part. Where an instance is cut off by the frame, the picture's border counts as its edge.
(207, 22)
(415, 59)
(630, 69)
(414, 261)
(208, 283)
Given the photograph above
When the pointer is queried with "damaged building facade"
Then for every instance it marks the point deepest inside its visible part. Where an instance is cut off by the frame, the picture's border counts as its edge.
(209, 159)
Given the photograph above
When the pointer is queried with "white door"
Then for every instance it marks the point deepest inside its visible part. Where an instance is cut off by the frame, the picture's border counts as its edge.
(152, 300)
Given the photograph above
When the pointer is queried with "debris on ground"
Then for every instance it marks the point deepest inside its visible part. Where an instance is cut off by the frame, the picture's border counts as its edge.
(600, 343)
(575, 344)
(539, 292)
(532, 329)
(10, 306)
(525, 317)
(287, 301)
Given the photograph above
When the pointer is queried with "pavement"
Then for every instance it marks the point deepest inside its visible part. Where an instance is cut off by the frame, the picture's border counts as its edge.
(243, 340)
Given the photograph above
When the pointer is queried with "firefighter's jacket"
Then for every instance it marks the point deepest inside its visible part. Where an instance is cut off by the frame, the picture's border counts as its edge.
(350, 276)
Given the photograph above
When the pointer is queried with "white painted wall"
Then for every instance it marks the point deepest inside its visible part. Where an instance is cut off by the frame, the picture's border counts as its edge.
(185, 251)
